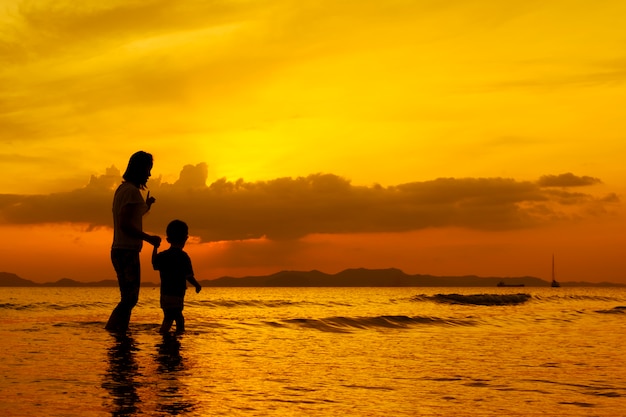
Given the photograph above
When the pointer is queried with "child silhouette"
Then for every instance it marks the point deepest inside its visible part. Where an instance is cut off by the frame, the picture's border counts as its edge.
(174, 266)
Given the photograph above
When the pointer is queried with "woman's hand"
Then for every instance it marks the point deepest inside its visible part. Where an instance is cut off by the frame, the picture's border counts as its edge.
(150, 200)
(154, 240)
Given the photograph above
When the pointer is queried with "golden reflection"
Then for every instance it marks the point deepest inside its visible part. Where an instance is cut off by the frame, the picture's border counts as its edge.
(121, 376)
(131, 376)
(172, 398)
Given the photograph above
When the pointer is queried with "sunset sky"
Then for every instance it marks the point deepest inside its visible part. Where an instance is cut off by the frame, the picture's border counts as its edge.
(458, 137)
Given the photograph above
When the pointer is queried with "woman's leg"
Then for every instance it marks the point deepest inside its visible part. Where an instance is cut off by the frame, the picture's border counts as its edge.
(127, 268)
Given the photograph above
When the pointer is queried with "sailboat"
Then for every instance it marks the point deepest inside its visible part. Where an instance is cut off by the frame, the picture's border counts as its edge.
(555, 283)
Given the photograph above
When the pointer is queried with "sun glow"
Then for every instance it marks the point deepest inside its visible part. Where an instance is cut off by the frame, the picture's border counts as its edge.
(254, 104)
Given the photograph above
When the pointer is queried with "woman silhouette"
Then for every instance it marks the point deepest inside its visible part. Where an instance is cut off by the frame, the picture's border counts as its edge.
(128, 236)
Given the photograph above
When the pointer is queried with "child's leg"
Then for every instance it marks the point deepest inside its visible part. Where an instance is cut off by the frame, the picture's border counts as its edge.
(180, 323)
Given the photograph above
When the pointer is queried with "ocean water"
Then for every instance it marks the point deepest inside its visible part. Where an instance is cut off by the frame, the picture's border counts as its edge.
(318, 352)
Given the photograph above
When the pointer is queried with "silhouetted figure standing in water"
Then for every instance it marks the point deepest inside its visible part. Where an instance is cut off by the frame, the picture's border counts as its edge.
(128, 236)
(174, 266)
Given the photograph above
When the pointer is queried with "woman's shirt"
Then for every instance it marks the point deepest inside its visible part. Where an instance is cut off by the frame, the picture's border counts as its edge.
(128, 194)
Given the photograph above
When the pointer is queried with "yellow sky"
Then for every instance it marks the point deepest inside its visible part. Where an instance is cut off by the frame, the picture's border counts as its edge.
(339, 119)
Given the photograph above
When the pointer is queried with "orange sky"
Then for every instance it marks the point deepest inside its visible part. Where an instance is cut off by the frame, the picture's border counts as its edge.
(471, 137)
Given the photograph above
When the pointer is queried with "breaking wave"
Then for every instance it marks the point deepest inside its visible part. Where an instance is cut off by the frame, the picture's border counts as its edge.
(614, 310)
(347, 324)
(476, 299)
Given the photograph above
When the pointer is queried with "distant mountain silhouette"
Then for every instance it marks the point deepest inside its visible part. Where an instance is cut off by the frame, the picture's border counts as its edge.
(11, 280)
(361, 277)
(66, 282)
(357, 277)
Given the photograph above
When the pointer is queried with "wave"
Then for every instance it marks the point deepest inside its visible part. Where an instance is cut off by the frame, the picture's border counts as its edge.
(577, 297)
(476, 299)
(53, 306)
(195, 303)
(614, 310)
(347, 324)
(249, 303)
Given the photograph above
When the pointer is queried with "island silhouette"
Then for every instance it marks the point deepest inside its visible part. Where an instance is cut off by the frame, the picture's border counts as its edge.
(354, 277)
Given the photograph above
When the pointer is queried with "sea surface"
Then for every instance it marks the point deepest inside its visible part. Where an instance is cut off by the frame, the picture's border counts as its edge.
(318, 352)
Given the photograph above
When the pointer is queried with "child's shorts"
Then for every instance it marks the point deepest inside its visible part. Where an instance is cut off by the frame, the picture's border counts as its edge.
(172, 302)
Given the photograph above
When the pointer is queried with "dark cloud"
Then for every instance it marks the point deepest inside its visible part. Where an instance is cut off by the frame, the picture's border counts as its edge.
(567, 180)
(290, 208)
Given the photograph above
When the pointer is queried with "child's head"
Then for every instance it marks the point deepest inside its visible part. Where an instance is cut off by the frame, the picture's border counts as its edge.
(177, 232)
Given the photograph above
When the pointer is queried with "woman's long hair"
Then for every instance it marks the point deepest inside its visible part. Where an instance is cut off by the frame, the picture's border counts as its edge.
(139, 166)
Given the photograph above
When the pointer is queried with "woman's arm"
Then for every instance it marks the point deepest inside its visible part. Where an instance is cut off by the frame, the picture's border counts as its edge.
(130, 229)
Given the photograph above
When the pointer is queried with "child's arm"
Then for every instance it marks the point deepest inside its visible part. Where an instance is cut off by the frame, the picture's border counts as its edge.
(192, 281)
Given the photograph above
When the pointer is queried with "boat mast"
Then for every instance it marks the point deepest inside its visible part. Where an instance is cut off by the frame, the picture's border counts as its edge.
(554, 281)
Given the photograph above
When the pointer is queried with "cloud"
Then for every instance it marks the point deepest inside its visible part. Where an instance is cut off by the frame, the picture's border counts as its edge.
(567, 180)
(291, 208)
(50, 28)
(74, 67)
(608, 73)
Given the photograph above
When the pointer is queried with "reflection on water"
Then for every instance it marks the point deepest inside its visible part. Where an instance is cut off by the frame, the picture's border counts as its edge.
(171, 366)
(130, 383)
(169, 356)
(121, 376)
